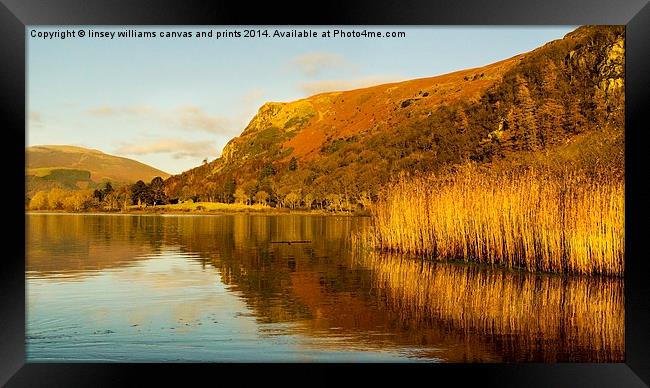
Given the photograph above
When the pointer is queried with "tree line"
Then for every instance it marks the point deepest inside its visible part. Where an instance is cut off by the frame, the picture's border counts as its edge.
(104, 198)
(270, 187)
(140, 194)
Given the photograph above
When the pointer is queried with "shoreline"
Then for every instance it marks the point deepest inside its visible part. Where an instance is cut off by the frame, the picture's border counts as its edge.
(369, 249)
(489, 266)
(163, 212)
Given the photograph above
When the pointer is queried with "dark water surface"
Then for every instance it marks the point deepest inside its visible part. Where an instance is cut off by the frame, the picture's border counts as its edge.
(220, 288)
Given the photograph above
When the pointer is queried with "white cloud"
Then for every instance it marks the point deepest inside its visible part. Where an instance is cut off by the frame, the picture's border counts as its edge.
(140, 109)
(253, 96)
(315, 87)
(35, 119)
(178, 149)
(185, 117)
(193, 118)
(103, 111)
(314, 63)
(107, 111)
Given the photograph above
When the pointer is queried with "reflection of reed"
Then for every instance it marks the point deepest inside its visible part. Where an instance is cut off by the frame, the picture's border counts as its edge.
(533, 317)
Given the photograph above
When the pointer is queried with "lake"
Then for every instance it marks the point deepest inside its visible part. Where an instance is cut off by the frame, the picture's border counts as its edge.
(176, 288)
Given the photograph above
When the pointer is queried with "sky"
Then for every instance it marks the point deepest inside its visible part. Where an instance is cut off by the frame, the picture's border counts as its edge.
(172, 102)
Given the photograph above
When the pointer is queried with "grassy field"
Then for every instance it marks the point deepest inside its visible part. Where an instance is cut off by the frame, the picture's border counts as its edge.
(568, 222)
(214, 207)
(217, 207)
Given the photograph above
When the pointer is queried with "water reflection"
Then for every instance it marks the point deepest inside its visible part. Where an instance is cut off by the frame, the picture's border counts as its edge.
(317, 301)
(526, 317)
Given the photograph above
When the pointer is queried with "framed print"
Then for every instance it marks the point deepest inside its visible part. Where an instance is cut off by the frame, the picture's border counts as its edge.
(438, 189)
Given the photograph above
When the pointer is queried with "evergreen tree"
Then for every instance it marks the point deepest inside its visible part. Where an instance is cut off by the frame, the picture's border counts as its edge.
(550, 122)
(98, 195)
(157, 190)
(293, 164)
(525, 115)
(140, 193)
(108, 188)
(229, 190)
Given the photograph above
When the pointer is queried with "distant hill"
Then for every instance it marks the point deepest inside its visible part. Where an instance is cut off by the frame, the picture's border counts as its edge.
(562, 103)
(72, 167)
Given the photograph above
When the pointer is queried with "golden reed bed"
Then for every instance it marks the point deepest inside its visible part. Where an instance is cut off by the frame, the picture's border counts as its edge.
(529, 317)
(569, 222)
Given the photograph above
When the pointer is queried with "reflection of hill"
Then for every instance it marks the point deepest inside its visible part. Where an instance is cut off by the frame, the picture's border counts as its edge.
(74, 245)
(241, 247)
(389, 302)
(340, 298)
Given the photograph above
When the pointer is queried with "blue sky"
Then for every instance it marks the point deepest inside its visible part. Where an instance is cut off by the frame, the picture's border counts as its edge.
(171, 102)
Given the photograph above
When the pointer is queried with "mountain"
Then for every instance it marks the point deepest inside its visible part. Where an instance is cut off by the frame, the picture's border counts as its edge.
(71, 167)
(562, 103)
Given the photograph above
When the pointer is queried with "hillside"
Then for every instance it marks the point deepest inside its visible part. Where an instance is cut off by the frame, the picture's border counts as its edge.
(70, 167)
(562, 103)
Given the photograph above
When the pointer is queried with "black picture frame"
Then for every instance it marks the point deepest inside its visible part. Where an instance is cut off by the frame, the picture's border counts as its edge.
(16, 14)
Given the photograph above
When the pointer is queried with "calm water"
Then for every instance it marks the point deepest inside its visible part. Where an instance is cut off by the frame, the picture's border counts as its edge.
(220, 288)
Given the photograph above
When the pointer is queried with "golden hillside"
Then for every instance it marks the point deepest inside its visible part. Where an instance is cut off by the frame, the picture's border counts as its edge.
(560, 103)
(72, 167)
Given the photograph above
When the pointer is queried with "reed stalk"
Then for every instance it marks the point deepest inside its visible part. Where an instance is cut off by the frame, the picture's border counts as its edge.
(567, 222)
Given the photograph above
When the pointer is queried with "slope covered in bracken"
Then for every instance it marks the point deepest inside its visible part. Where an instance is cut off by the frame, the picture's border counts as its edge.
(561, 103)
(325, 118)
